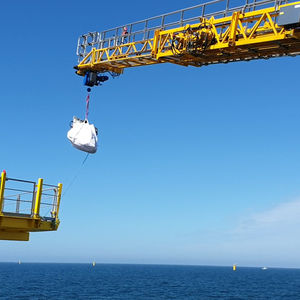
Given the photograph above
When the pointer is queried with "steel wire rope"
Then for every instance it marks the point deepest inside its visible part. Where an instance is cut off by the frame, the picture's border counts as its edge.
(75, 176)
(86, 157)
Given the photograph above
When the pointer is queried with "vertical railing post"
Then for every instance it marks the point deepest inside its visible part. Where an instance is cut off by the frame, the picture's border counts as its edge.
(100, 41)
(58, 199)
(130, 32)
(18, 204)
(227, 7)
(162, 22)
(38, 198)
(145, 29)
(117, 38)
(103, 40)
(2, 187)
(181, 18)
(33, 198)
(84, 45)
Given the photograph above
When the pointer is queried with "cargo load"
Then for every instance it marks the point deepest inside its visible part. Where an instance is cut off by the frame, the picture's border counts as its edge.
(83, 135)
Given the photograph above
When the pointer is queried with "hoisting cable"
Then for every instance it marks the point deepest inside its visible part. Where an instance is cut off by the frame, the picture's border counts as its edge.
(87, 105)
(86, 157)
(76, 175)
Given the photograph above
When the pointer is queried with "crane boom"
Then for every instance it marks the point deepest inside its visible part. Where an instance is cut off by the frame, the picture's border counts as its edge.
(250, 30)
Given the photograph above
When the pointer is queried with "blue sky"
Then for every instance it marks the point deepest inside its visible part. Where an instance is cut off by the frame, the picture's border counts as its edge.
(195, 165)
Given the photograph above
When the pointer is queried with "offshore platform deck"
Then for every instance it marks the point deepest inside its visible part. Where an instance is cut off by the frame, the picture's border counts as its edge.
(218, 31)
(27, 206)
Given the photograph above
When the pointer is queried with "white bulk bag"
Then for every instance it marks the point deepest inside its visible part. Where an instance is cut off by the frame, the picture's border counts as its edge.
(83, 135)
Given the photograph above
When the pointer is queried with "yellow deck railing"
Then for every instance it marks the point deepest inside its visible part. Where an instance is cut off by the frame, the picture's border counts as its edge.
(27, 206)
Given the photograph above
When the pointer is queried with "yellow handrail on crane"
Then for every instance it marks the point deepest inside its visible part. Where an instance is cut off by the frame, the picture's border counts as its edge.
(20, 208)
(241, 34)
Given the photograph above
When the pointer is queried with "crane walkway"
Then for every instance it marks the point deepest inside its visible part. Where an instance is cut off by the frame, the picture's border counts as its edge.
(219, 31)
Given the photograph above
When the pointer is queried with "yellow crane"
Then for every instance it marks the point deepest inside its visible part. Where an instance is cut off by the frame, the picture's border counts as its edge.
(27, 206)
(219, 31)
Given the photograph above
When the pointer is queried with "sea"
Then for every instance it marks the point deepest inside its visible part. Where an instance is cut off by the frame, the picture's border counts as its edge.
(121, 281)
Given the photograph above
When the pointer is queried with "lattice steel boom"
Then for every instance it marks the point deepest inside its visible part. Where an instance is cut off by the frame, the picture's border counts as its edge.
(209, 33)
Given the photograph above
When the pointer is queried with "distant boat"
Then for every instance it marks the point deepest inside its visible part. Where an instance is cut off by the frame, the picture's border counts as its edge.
(234, 267)
(19, 262)
(264, 268)
(94, 263)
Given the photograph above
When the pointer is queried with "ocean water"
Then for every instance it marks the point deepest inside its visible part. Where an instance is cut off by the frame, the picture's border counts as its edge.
(112, 281)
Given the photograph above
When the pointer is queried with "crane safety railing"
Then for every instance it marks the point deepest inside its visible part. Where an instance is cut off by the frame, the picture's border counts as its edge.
(145, 29)
(25, 198)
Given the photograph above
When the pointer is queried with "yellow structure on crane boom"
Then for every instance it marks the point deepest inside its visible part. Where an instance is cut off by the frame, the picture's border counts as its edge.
(27, 206)
(251, 30)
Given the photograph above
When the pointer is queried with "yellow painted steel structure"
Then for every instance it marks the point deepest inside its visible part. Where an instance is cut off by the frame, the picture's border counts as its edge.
(17, 226)
(242, 36)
